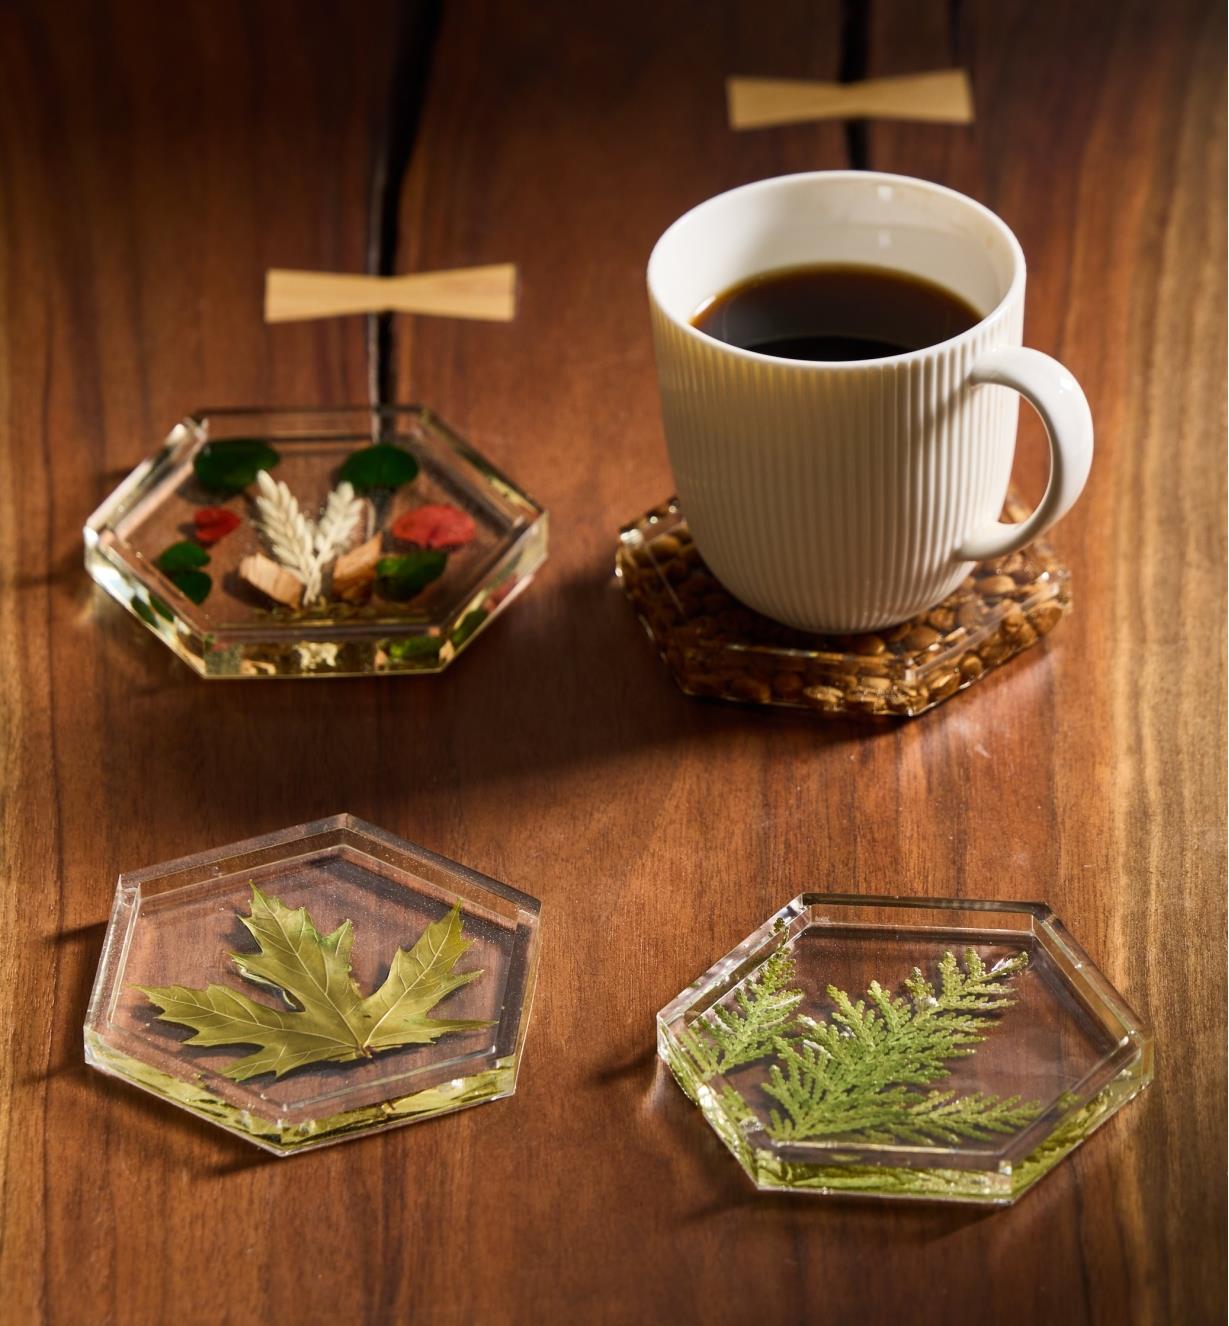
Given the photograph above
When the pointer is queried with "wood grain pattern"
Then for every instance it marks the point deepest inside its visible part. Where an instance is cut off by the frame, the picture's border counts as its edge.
(154, 161)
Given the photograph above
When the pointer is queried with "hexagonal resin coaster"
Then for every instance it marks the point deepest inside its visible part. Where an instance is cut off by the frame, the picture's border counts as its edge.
(315, 542)
(893, 1047)
(315, 984)
(716, 647)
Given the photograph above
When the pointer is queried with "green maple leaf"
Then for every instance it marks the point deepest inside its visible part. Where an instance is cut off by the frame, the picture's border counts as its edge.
(328, 1019)
(418, 979)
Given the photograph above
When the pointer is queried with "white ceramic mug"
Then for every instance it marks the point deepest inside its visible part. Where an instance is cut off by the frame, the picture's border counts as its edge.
(849, 496)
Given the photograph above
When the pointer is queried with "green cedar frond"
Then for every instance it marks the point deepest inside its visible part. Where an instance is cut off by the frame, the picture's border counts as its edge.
(851, 1076)
(760, 1020)
(944, 1116)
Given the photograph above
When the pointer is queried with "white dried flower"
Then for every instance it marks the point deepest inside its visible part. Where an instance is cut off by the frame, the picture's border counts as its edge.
(341, 515)
(289, 533)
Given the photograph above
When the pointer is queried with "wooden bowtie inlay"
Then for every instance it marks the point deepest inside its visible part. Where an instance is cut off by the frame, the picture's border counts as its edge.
(943, 97)
(486, 293)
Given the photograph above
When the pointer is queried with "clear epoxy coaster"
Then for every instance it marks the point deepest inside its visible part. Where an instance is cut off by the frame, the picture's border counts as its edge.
(716, 647)
(315, 984)
(313, 543)
(892, 1047)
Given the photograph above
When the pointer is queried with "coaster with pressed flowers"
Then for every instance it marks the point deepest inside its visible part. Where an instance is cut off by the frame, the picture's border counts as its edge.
(315, 542)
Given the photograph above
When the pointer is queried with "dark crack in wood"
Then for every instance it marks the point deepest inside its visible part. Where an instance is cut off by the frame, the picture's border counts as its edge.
(855, 46)
(407, 95)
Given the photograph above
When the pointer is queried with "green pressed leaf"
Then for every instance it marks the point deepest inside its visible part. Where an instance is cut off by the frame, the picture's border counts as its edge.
(222, 1016)
(415, 647)
(416, 982)
(468, 625)
(182, 556)
(161, 607)
(327, 1019)
(380, 466)
(227, 467)
(144, 611)
(856, 1075)
(192, 584)
(400, 578)
(761, 1016)
(294, 956)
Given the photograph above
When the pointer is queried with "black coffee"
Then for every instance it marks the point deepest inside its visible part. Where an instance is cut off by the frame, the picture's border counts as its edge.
(835, 313)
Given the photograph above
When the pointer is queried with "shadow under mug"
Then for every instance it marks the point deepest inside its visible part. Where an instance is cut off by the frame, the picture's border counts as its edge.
(851, 496)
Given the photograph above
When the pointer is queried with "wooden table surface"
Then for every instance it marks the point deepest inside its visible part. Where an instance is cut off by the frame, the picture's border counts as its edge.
(155, 159)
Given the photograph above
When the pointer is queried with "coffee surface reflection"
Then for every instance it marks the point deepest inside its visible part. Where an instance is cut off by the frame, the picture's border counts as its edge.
(834, 313)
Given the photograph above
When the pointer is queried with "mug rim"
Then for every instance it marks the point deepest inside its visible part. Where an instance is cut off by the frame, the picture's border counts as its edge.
(996, 314)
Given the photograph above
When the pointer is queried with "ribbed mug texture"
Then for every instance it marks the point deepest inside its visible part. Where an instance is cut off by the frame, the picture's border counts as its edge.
(834, 497)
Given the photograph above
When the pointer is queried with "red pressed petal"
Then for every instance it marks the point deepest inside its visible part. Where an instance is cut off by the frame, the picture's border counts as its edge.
(442, 526)
(214, 523)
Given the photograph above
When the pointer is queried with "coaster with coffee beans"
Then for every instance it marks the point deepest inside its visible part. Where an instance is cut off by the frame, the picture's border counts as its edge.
(717, 647)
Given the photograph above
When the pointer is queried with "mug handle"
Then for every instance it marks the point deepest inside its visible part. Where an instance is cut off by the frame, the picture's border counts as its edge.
(1057, 398)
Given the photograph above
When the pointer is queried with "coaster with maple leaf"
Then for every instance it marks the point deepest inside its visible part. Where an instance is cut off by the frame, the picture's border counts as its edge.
(315, 984)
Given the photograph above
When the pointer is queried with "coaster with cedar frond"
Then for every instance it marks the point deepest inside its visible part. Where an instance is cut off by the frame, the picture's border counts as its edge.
(328, 1019)
(856, 1076)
